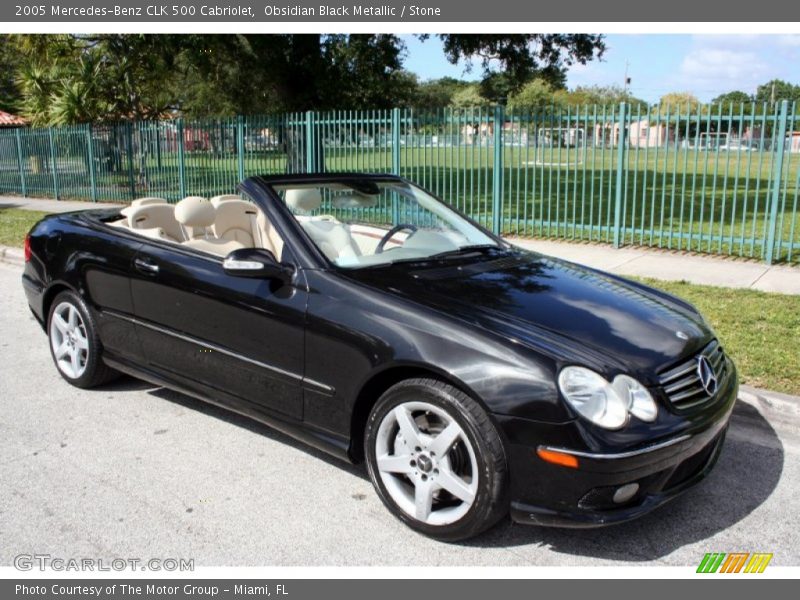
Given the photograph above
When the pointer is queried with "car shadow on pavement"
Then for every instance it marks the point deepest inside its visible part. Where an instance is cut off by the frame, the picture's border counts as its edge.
(234, 419)
(745, 476)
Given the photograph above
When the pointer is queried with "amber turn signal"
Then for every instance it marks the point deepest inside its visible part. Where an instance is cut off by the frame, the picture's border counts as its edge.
(558, 458)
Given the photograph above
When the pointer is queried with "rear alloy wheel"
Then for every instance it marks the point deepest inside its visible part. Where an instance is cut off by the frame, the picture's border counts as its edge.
(436, 459)
(74, 343)
(68, 340)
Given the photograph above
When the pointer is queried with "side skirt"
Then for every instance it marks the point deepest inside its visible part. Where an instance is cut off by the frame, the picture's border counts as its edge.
(321, 440)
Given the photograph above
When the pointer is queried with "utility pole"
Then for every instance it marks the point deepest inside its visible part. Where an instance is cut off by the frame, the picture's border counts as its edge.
(772, 96)
(627, 80)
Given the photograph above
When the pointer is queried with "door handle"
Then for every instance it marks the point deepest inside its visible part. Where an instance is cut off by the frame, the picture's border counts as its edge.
(145, 265)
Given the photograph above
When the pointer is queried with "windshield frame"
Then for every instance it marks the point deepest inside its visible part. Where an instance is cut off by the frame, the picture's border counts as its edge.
(362, 181)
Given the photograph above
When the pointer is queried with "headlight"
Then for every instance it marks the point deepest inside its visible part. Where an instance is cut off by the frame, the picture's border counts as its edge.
(605, 403)
(640, 403)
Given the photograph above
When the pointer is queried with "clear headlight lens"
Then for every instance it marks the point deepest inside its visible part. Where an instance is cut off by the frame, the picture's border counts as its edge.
(640, 403)
(604, 403)
(593, 397)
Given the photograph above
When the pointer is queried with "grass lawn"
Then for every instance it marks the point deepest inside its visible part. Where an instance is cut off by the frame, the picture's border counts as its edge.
(15, 224)
(759, 330)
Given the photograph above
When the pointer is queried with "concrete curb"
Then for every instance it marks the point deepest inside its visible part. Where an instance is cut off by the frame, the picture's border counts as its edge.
(12, 256)
(781, 407)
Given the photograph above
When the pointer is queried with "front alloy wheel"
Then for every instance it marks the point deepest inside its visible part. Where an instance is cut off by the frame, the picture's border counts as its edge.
(427, 463)
(436, 459)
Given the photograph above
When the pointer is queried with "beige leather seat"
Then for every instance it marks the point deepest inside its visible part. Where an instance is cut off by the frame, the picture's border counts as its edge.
(217, 200)
(197, 214)
(332, 238)
(236, 220)
(126, 212)
(192, 233)
(156, 221)
(267, 237)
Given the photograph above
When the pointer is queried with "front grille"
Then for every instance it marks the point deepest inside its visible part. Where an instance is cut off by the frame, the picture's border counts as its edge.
(682, 384)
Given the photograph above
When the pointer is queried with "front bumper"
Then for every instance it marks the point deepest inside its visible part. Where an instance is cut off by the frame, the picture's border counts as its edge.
(543, 493)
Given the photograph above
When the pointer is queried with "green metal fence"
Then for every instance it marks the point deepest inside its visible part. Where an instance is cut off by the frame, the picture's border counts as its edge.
(712, 179)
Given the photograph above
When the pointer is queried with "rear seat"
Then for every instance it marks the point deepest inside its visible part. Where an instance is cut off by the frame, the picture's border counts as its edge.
(196, 214)
(155, 220)
(195, 222)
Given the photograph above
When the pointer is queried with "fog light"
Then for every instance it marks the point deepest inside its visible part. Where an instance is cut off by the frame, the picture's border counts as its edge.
(625, 493)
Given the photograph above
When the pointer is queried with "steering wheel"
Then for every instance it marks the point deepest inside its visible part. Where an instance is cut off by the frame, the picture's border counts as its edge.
(392, 232)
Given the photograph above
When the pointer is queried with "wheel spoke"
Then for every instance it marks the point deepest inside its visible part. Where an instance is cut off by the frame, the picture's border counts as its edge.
(395, 464)
(73, 318)
(61, 350)
(80, 340)
(75, 360)
(451, 482)
(407, 426)
(423, 500)
(445, 440)
(60, 323)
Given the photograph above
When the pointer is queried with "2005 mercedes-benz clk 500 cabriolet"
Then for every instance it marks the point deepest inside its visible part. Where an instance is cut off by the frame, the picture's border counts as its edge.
(369, 319)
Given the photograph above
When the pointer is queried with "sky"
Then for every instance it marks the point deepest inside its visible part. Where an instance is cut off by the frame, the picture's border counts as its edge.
(706, 65)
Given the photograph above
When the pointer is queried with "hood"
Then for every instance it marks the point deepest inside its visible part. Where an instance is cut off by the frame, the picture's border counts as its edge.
(592, 318)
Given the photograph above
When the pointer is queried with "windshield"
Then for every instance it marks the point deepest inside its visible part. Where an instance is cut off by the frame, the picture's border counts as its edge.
(371, 223)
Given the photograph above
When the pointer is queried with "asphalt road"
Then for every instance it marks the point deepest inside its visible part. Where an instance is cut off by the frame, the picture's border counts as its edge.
(129, 470)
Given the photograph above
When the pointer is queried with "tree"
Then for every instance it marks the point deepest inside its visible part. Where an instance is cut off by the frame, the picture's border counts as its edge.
(522, 57)
(605, 95)
(733, 99)
(778, 90)
(437, 93)
(679, 101)
(534, 95)
(67, 79)
(10, 95)
(469, 97)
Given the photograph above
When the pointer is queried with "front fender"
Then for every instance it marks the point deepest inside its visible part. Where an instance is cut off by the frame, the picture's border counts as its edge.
(355, 332)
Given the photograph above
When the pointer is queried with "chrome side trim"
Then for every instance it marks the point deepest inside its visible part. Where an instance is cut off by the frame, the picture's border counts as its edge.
(304, 381)
(619, 455)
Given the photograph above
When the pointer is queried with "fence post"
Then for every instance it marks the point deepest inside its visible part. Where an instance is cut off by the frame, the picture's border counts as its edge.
(90, 153)
(53, 162)
(131, 179)
(310, 147)
(497, 170)
(777, 179)
(21, 163)
(621, 141)
(396, 141)
(240, 144)
(181, 160)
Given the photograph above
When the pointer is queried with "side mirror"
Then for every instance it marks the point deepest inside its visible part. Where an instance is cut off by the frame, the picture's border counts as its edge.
(257, 263)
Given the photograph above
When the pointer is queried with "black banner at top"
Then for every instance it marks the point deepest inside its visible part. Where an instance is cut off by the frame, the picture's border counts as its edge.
(321, 11)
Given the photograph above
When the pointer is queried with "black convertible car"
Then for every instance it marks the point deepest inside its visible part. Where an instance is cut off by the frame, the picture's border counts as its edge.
(364, 316)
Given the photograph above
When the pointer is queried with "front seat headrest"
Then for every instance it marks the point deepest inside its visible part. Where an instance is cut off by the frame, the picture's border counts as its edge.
(303, 199)
(195, 211)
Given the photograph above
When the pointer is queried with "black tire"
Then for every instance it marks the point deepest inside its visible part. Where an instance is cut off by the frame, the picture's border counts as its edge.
(95, 372)
(490, 501)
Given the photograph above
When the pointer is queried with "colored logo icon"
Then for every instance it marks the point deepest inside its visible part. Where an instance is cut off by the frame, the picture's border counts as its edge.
(734, 562)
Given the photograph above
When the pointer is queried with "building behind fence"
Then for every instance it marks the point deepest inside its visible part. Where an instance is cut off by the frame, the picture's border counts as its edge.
(720, 180)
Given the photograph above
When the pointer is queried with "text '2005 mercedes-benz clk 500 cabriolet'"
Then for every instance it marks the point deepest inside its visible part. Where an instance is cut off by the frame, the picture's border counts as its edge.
(366, 317)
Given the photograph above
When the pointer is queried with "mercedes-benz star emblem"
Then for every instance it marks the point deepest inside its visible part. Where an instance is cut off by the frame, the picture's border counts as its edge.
(708, 378)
